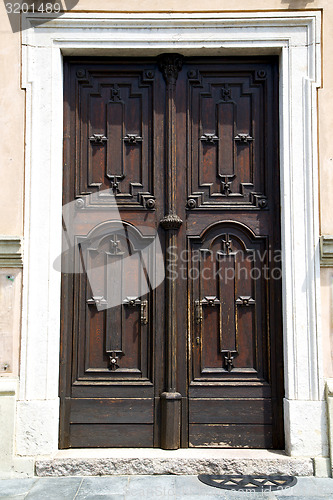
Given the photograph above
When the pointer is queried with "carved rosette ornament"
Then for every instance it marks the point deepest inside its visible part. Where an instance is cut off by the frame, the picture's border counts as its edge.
(263, 203)
(150, 203)
(191, 203)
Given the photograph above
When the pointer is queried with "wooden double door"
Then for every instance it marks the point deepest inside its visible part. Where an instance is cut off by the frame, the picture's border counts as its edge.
(187, 149)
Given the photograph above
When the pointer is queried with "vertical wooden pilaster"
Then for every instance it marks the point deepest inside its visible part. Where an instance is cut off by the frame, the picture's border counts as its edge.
(170, 65)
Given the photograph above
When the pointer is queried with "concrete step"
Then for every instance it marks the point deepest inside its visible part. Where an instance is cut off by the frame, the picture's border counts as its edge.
(127, 461)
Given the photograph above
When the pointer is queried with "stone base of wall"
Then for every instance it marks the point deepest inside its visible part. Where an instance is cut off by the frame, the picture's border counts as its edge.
(10, 466)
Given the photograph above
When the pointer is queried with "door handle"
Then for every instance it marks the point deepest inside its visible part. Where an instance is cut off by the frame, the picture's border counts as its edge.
(143, 304)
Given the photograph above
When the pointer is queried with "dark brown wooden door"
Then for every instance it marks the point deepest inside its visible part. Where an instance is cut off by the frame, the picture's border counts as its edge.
(188, 149)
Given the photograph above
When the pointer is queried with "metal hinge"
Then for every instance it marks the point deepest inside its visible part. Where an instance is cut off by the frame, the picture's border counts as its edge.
(245, 301)
(97, 301)
(132, 138)
(244, 138)
(209, 138)
(98, 139)
(114, 357)
(210, 301)
(229, 359)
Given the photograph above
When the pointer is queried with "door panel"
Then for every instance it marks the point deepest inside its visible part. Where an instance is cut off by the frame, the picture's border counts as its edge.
(231, 236)
(114, 132)
(111, 436)
(227, 301)
(112, 150)
(230, 436)
(226, 411)
(185, 148)
(225, 131)
(115, 338)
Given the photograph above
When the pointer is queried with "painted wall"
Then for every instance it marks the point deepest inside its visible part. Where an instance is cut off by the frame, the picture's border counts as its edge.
(12, 120)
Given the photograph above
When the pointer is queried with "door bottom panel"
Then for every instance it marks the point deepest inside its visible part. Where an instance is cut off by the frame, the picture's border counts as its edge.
(230, 436)
(112, 436)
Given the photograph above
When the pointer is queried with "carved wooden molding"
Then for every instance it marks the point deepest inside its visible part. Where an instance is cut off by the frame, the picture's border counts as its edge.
(10, 251)
(171, 222)
(170, 65)
(326, 251)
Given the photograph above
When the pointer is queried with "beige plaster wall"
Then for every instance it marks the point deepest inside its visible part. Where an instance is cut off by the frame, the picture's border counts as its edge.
(12, 130)
(12, 116)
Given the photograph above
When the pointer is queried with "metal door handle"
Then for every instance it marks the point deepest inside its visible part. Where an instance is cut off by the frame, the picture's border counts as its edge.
(135, 301)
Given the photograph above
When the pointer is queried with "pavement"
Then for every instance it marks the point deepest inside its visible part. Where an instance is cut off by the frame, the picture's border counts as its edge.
(151, 488)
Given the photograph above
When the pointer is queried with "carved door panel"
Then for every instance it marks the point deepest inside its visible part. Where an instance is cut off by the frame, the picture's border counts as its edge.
(111, 318)
(184, 149)
(231, 241)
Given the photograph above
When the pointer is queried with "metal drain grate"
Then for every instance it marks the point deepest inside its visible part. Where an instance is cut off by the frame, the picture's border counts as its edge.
(246, 483)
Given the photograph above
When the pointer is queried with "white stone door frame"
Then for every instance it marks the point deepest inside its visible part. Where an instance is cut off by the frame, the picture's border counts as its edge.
(296, 37)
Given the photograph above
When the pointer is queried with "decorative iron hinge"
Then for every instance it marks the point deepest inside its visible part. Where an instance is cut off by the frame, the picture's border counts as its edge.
(97, 301)
(244, 138)
(114, 357)
(98, 139)
(210, 301)
(115, 248)
(226, 184)
(132, 138)
(226, 93)
(227, 245)
(209, 138)
(114, 181)
(135, 301)
(229, 359)
(245, 301)
(115, 93)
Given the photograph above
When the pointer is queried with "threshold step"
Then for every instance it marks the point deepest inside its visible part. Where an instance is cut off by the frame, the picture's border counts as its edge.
(128, 461)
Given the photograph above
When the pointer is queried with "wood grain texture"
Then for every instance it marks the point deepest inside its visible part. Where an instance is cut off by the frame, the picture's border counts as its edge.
(232, 212)
(199, 145)
(112, 411)
(230, 436)
(111, 436)
(230, 411)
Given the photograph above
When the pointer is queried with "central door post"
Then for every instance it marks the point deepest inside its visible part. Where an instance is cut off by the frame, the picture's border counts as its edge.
(170, 65)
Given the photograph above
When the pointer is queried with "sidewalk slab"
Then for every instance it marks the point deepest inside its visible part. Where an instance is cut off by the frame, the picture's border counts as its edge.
(142, 487)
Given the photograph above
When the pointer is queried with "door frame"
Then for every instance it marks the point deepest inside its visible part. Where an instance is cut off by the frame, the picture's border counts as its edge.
(296, 38)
